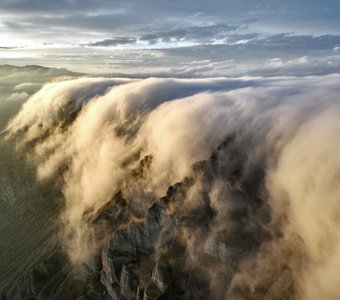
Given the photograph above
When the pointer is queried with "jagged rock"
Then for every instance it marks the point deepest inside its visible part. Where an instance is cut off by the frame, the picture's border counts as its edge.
(140, 293)
(126, 245)
(234, 179)
(141, 238)
(129, 282)
(161, 276)
(152, 292)
(144, 165)
(108, 279)
(159, 223)
(149, 259)
(217, 249)
(113, 213)
(118, 251)
(156, 213)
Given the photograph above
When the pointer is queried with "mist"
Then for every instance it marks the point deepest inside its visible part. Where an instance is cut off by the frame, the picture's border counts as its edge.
(244, 173)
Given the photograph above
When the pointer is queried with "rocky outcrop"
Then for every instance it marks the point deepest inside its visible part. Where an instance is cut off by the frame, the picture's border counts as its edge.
(126, 254)
(178, 251)
(192, 243)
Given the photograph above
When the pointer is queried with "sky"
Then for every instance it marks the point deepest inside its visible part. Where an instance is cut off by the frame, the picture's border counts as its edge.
(187, 38)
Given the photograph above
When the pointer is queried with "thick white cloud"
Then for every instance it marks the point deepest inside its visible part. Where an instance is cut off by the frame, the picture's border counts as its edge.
(93, 132)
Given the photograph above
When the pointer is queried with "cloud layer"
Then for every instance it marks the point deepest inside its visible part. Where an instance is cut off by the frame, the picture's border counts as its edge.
(93, 132)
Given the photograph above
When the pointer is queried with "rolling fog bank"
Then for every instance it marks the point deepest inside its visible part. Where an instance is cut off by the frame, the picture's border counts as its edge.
(174, 188)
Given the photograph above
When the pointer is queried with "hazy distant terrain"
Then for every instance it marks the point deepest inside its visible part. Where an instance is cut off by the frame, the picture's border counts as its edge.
(167, 188)
(18, 83)
(28, 232)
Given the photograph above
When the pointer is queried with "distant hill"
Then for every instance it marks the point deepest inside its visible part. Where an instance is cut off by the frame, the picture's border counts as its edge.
(18, 83)
(10, 69)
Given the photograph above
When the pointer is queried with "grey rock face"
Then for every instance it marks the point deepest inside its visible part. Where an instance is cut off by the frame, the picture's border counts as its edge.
(124, 251)
(193, 243)
(194, 252)
(129, 282)
(219, 250)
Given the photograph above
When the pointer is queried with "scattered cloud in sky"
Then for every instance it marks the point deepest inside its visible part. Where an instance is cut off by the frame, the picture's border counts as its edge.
(158, 36)
(122, 40)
